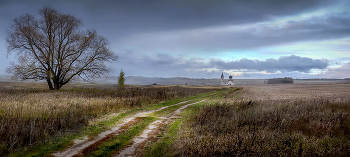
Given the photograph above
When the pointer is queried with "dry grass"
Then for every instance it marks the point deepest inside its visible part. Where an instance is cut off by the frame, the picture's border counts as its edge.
(270, 120)
(29, 113)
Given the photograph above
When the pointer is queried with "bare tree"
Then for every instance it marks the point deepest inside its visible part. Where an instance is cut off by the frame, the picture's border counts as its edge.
(53, 48)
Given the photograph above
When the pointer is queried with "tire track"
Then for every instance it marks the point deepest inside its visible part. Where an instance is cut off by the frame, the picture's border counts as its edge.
(149, 133)
(81, 145)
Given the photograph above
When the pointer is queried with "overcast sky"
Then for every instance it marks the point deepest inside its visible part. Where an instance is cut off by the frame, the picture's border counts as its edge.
(202, 38)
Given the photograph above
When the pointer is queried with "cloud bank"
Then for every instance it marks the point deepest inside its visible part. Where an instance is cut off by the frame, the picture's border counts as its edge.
(249, 36)
(282, 64)
(170, 66)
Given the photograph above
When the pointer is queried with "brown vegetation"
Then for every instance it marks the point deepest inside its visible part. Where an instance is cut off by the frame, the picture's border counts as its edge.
(276, 120)
(29, 116)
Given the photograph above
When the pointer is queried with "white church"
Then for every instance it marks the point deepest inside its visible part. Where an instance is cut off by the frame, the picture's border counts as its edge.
(226, 83)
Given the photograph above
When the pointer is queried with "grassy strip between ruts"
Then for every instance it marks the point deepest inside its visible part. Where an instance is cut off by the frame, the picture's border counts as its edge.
(59, 143)
(161, 147)
(172, 102)
(123, 139)
(175, 107)
(215, 95)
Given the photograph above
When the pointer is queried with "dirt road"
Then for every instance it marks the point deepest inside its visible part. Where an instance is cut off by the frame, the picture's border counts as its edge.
(83, 145)
(140, 141)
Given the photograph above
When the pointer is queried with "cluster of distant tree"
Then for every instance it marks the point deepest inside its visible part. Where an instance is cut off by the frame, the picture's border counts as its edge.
(320, 79)
(280, 80)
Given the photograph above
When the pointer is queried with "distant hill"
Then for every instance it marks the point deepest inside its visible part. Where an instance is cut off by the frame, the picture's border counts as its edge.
(4, 78)
(140, 80)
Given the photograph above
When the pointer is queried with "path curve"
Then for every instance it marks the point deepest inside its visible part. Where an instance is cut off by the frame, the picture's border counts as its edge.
(81, 144)
(145, 135)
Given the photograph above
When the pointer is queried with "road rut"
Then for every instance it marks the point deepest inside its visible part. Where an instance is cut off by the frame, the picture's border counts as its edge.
(81, 144)
(140, 141)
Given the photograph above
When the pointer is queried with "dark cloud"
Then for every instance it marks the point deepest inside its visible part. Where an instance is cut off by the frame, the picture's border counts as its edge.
(129, 20)
(187, 14)
(132, 16)
(282, 64)
(325, 27)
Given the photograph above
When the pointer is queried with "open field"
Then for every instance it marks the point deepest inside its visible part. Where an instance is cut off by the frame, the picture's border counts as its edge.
(216, 81)
(138, 80)
(255, 120)
(31, 114)
(264, 120)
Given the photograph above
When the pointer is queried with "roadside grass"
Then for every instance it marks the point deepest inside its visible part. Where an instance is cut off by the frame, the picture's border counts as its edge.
(259, 127)
(44, 149)
(122, 139)
(61, 142)
(245, 124)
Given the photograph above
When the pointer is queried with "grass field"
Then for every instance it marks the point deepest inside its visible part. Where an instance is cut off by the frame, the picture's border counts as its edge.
(249, 120)
(263, 120)
(31, 114)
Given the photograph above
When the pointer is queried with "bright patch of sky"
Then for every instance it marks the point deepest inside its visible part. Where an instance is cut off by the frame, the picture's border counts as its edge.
(332, 50)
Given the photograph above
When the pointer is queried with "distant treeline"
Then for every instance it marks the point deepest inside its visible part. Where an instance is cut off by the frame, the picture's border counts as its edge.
(280, 80)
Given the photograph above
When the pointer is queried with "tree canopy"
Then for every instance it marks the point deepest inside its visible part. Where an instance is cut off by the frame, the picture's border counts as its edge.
(55, 49)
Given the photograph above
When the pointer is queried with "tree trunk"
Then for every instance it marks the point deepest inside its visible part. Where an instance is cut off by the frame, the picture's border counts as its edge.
(57, 85)
(50, 84)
